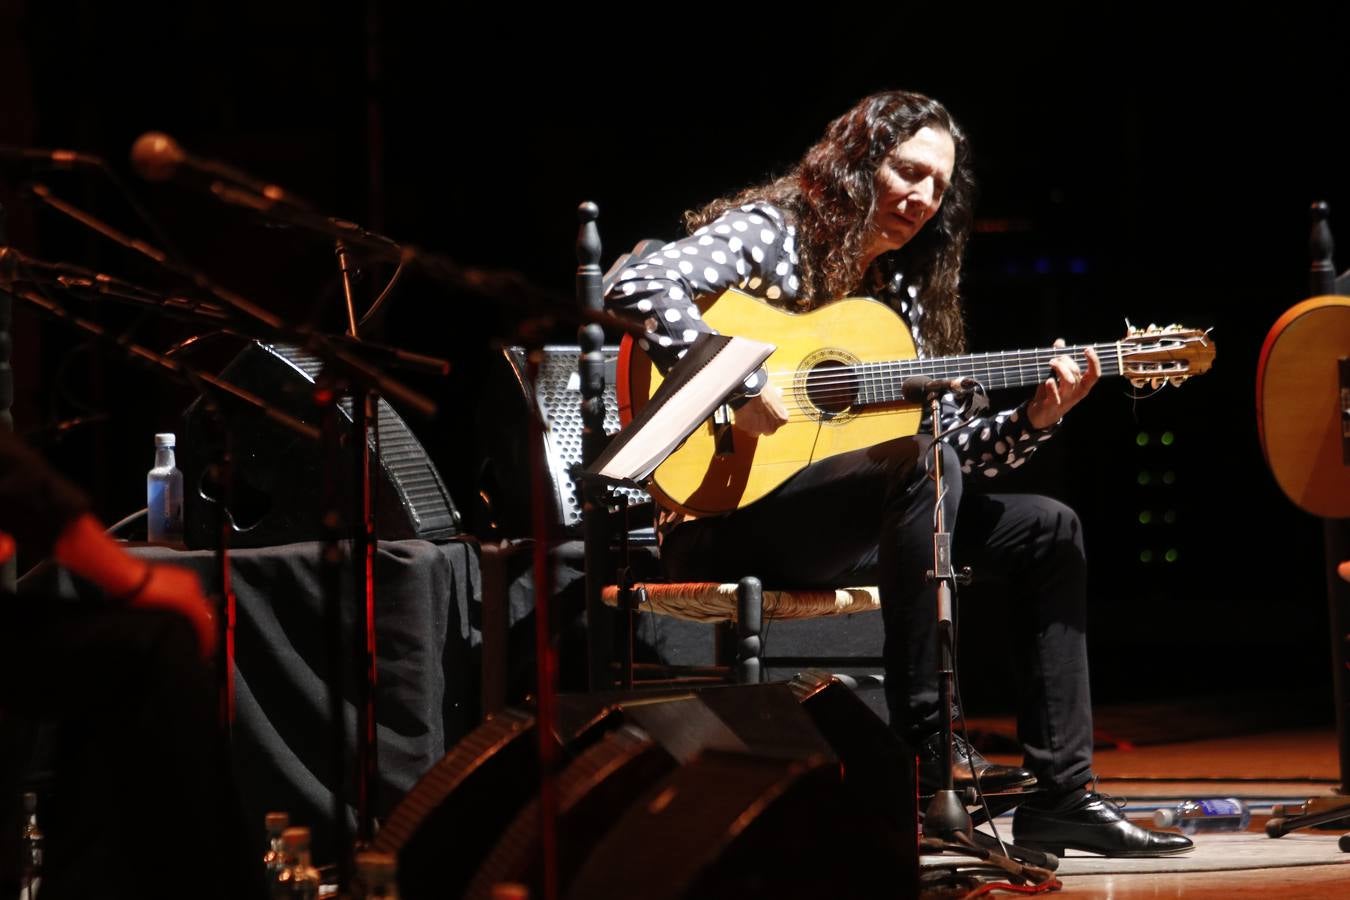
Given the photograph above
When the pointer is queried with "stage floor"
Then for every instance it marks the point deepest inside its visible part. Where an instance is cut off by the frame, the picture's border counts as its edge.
(1264, 768)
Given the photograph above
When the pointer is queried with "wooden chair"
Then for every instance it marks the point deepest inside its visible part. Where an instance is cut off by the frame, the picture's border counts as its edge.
(740, 610)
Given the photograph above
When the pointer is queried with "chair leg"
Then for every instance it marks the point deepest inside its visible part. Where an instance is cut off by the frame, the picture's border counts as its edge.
(749, 618)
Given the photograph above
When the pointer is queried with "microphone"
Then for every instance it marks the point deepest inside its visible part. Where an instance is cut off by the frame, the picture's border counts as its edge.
(158, 157)
(73, 277)
(61, 158)
(9, 267)
(918, 388)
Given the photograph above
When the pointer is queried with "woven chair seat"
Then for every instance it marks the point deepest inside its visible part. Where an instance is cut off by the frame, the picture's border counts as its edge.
(702, 601)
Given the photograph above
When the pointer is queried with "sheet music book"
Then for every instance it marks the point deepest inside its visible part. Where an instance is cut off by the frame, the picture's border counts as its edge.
(715, 365)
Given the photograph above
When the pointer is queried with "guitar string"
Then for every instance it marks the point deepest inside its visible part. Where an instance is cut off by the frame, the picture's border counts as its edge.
(800, 415)
(989, 364)
(973, 363)
(846, 387)
(808, 408)
(848, 378)
(805, 413)
(877, 374)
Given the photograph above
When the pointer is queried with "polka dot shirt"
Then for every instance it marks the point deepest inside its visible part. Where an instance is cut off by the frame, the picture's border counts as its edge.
(754, 249)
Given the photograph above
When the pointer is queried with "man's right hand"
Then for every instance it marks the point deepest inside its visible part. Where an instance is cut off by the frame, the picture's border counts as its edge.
(178, 590)
(763, 414)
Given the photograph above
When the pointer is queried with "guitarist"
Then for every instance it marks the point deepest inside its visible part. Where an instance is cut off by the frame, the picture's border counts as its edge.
(881, 206)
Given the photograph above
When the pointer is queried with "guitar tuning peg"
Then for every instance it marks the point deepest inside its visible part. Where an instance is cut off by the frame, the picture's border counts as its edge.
(1139, 382)
(1176, 380)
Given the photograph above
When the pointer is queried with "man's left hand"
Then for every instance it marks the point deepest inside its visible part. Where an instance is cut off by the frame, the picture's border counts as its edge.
(1061, 392)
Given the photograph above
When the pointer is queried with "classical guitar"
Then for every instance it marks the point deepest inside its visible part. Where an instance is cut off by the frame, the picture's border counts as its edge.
(840, 368)
(1303, 404)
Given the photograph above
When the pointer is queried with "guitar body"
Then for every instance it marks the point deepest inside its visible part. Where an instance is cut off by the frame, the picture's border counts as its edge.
(842, 371)
(720, 467)
(1299, 405)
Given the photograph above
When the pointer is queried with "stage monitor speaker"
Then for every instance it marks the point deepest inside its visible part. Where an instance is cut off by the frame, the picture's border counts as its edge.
(765, 719)
(278, 474)
(813, 714)
(555, 396)
(720, 791)
(730, 826)
(594, 791)
(452, 818)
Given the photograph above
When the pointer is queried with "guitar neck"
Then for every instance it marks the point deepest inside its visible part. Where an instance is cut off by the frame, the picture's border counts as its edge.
(881, 381)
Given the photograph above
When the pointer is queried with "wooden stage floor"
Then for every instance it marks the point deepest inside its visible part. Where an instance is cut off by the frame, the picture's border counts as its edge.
(1265, 768)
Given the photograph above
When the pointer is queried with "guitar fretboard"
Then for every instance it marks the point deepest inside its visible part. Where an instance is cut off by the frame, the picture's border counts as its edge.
(880, 382)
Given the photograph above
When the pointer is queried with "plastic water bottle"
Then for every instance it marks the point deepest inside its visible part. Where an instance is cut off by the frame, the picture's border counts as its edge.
(164, 495)
(1212, 814)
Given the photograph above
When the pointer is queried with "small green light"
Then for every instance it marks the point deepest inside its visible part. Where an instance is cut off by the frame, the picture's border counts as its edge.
(1168, 438)
(1169, 477)
(1144, 478)
(1170, 517)
(1146, 556)
(1171, 555)
(1141, 439)
(1145, 517)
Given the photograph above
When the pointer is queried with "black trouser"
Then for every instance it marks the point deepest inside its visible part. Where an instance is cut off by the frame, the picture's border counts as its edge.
(868, 514)
(142, 800)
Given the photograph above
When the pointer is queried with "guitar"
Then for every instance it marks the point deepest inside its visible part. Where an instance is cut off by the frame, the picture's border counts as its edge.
(840, 368)
(1303, 404)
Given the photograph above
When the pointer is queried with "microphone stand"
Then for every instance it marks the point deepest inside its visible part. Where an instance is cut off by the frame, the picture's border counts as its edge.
(157, 157)
(237, 188)
(9, 571)
(271, 325)
(946, 823)
(365, 416)
(221, 473)
(946, 816)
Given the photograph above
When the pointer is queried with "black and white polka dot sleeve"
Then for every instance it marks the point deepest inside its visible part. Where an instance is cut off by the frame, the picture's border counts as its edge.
(750, 248)
(989, 445)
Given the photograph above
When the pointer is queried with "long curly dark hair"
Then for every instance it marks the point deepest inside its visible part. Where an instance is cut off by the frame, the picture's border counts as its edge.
(831, 195)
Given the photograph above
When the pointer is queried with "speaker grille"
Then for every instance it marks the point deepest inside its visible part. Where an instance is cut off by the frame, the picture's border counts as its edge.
(557, 395)
(277, 476)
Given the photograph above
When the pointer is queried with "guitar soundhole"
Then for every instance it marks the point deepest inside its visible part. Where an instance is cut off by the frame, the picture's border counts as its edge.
(831, 387)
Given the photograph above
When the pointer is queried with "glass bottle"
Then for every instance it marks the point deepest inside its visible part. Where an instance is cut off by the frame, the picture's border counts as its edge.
(299, 880)
(274, 860)
(31, 841)
(376, 876)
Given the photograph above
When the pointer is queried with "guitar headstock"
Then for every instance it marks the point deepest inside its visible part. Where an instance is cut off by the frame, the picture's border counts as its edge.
(1156, 356)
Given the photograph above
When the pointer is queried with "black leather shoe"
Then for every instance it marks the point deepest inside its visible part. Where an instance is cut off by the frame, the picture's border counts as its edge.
(1093, 823)
(994, 779)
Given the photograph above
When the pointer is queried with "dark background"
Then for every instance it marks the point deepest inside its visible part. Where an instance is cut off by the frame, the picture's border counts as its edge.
(1127, 170)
